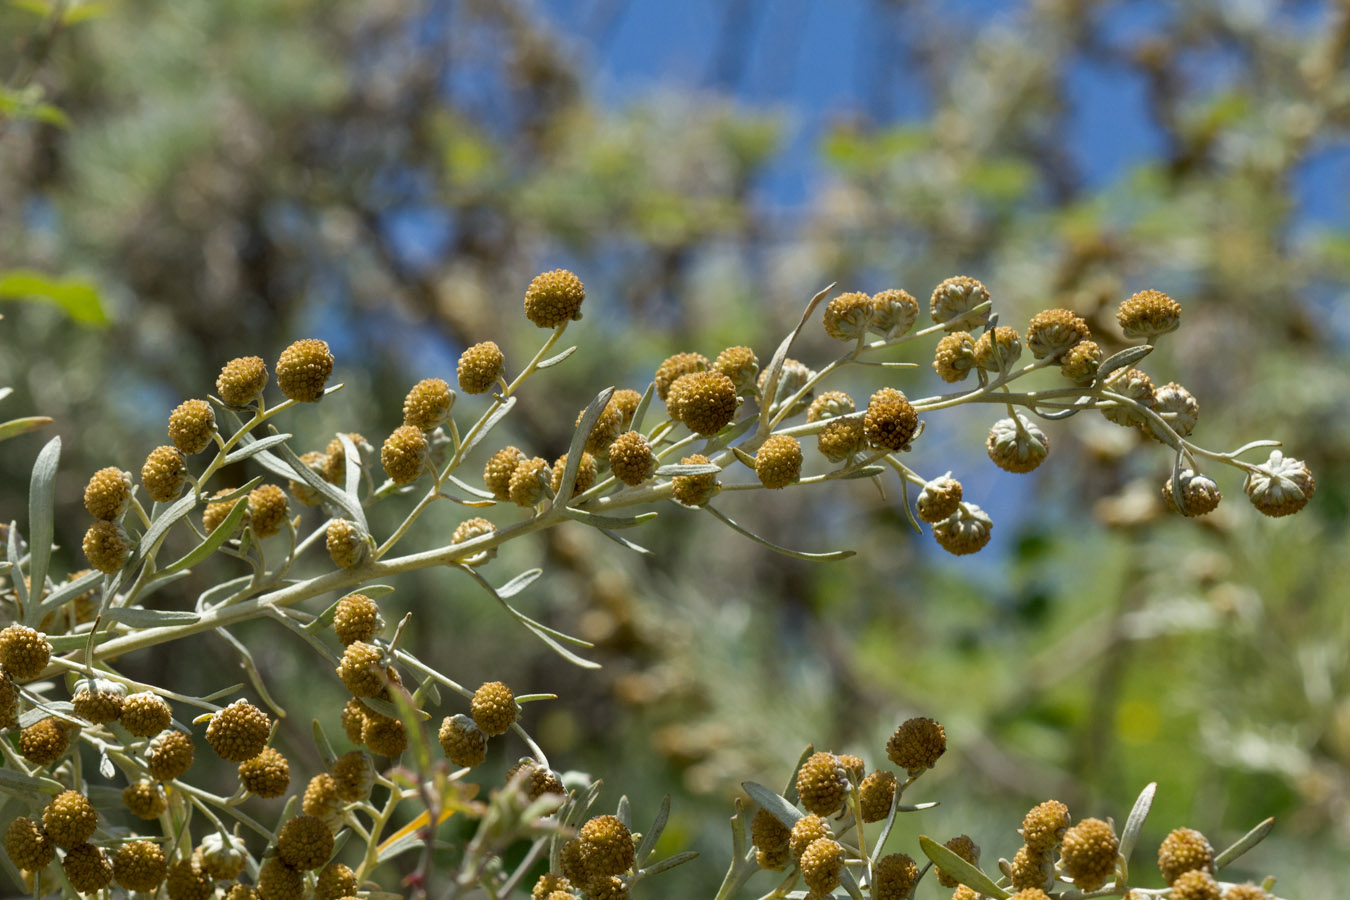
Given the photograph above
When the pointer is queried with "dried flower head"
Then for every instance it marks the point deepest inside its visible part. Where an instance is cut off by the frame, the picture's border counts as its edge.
(1148, 314)
(940, 498)
(965, 531)
(191, 426)
(241, 381)
(164, 473)
(1016, 445)
(303, 370)
(1089, 852)
(822, 784)
(1080, 362)
(480, 367)
(954, 357)
(849, 316)
(997, 349)
(1132, 384)
(108, 493)
(239, 731)
(916, 744)
(954, 301)
(1280, 486)
(779, 461)
(1054, 332)
(554, 298)
(1199, 494)
(24, 652)
(107, 547)
(893, 313)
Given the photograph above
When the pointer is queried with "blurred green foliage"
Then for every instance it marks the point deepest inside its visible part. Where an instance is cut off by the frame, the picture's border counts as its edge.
(388, 176)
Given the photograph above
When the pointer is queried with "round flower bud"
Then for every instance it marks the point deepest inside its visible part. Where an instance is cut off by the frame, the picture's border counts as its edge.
(822, 784)
(427, 405)
(267, 509)
(1199, 494)
(353, 720)
(1054, 332)
(740, 365)
(335, 457)
(703, 401)
(321, 799)
(98, 701)
(1028, 894)
(779, 461)
(164, 473)
(954, 357)
(963, 847)
(1044, 825)
(1032, 870)
(404, 454)
(9, 701)
(335, 882)
(494, 708)
(69, 819)
(108, 493)
(893, 313)
(87, 868)
(357, 618)
(363, 670)
(528, 480)
(674, 366)
(268, 774)
(894, 877)
(605, 431)
(1148, 314)
(305, 843)
(1184, 850)
(585, 473)
(145, 799)
(891, 421)
(28, 846)
(24, 653)
(346, 546)
(792, 377)
(849, 316)
(606, 846)
(1246, 891)
(940, 498)
(875, 794)
(191, 425)
(549, 884)
(241, 380)
(553, 298)
(538, 780)
(44, 741)
(805, 831)
(770, 838)
(1280, 486)
(1009, 348)
(1177, 407)
(303, 370)
(387, 737)
(694, 490)
(239, 731)
(145, 714)
(626, 401)
(1196, 885)
(964, 531)
(1088, 853)
(304, 493)
(471, 528)
(954, 300)
(829, 405)
(170, 755)
(1016, 445)
(1080, 362)
(631, 458)
(353, 776)
(464, 744)
(107, 547)
(1135, 385)
(853, 766)
(607, 888)
(278, 881)
(842, 438)
(186, 881)
(821, 864)
(480, 367)
(217, 511)
(221, 856)
(499, 469)
(916, 745)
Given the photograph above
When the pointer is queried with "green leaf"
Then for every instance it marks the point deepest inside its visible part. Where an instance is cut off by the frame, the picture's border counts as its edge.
(65, 592)
(218, 536)
(17, 782)
(554, 360)
(670, 862)
(163, 522)
(16, 427)
(1244, 843)
(958, 868)
(41, 499)
(653, 834)
(1127, 357)
(773, 803)
(326, 752)
(254, 447)
(688, 469)
(625, 542)
(1135, 823)
(519, 583)
(78, 299)
(795, 554)
(589, 416)
(12, 554)
(340, 499)
(488, 424)
(352, 457)
(140, 617)
(611, 522)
